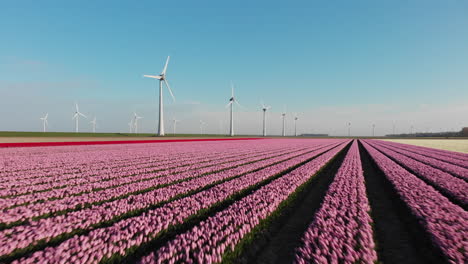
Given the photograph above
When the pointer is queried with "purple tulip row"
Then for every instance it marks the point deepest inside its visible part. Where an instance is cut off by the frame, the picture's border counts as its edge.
(33, 210)
(456, 170)
(208, 241)
(446, 222)
(341, 231)
(453, 186)
(48, 228)
(132, 232)
(117, 179)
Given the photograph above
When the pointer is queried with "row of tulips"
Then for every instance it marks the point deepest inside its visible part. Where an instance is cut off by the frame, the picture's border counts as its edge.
(149, 182)
(46, 159)
(117, 179)
(26, 235)
(69, 170)
(445, 222)
(341, 231)
(454, 187)
(436, 162)
(210, 240)
(458, 158)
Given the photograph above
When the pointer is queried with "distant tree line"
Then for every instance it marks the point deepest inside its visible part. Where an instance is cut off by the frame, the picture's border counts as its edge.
(461, 133)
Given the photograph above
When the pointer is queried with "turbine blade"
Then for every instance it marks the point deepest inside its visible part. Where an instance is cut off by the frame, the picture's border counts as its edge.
(169, 88)
(165, 66)
(76, 106)
(228, 104)
(153, 76)
(232, 89)
(75, 115)
(241, 106)
(82, 115)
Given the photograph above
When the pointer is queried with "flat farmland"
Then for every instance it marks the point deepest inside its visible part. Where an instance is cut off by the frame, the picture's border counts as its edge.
(243, 201)
(460, 145)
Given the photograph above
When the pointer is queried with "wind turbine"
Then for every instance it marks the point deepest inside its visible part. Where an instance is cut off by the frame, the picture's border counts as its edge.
(44, 122)
(283, 115)
(373, 130)
(295, 124)
(135, 121)
(174, 124)
(349, 129)
(93, 122)
(201, 127)
(130, 125)
(76, 116)
(162, 78)
(232, 100)
(264, 109)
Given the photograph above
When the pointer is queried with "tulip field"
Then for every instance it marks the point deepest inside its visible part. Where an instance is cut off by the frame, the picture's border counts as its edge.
(239, 201)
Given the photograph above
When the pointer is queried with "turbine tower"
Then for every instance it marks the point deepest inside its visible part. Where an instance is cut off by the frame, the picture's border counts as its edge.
(295, 124)
(264, 109)
(283, 115)
(76, 116)
(93, 122)
(162, 78)
(232, 100)
(349, 129)
(130, 125)
(201, 127)
(174, 123)
(135, 122)
(373, 130)
(44, 122)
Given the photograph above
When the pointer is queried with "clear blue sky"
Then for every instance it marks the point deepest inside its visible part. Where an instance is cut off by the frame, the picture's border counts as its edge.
(331, 61)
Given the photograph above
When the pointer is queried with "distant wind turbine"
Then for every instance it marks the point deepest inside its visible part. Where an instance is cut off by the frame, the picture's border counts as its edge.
(373, 130)
(283, 115)
(264, 109)
(174, 124)
(76, 116)
(295, 124)
(349, 129)
(201, 127)
(232, 100)
(130, 125)
(44, 122)
(162, 78)
(135, 122)
(93, 122)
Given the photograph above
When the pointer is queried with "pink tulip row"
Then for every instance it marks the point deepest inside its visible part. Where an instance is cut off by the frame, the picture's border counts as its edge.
(456, 170)
(69, 169)
(446, 222)
(48, 228)
(28, 211)
(135, 231)
(116, 179)
(446, 155)
(341, 231)
(46, 159)
(452, 186)
(208, 241)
